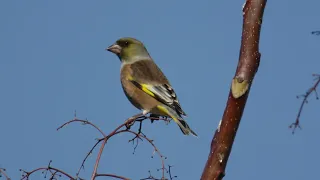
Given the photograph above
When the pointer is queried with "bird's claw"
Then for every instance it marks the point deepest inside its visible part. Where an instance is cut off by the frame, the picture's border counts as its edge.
(129, 122)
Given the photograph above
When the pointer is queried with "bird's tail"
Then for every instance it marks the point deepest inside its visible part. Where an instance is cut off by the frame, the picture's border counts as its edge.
(183, 125)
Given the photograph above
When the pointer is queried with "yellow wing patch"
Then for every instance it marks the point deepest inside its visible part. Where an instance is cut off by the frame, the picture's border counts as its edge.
(146, 90)
(164, 110)
(143, 87)
(130, 78)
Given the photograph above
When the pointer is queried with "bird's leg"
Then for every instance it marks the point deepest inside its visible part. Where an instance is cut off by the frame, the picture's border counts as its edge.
(130, 121)
(153, 117)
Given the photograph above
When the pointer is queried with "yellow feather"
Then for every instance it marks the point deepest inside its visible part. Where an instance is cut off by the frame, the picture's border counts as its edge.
(130, 78)
(144, 87)
(164, 110)
(146, 90)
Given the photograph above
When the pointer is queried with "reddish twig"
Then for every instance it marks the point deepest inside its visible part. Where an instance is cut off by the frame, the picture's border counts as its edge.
(106, 138)
(112, 175)
(305, 96)
(87, 156)
(248, 65)
(141, 136)
(126, 125)
(3, 172)
(156, 150)
(52, 170)
(84, 122)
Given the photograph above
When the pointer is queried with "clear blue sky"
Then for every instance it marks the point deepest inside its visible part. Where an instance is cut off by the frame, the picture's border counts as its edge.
(53, 62)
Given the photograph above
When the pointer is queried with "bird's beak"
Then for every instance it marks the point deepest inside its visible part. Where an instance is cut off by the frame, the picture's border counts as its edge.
(114, 48)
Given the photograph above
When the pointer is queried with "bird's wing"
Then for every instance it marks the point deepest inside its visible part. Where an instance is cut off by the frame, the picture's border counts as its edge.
(147, 76)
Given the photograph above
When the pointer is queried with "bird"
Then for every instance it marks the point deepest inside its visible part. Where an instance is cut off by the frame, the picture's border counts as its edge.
(145, 85)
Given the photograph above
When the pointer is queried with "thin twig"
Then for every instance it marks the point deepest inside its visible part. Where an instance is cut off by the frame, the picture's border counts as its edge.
(87, 156)
(129, 121)
(127, 124)
(170, 175)
(27, 174)
(112, 175)
(156, 150)
(305, 96)
(3, 172)
(137, 138)
(84, 122)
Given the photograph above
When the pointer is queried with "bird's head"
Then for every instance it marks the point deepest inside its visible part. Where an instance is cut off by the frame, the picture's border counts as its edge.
(128, 49)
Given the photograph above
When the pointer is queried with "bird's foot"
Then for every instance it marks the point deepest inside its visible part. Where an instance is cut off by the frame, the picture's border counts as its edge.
(129, 122)
(153, 117)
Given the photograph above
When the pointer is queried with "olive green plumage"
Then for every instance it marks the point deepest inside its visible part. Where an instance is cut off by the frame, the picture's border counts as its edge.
(146, 87)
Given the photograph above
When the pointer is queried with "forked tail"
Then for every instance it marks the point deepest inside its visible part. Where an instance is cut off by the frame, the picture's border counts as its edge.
(183, 125)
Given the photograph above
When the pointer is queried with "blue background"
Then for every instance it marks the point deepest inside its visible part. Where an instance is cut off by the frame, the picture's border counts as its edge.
(53, 62)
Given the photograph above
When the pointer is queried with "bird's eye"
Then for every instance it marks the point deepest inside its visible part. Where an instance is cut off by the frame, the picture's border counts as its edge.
(126, 43)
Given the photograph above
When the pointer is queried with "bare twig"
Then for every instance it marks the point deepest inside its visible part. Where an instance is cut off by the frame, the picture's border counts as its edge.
(137, 138)
(85, 122)
(53, 171)
(168, 171)
(125, 127)
(87, 156)
(3, 173)
(170, 174)
(129, 121)
(305, 97)
(156, 150)
(248, 65)
(150, 177)
(112, 175)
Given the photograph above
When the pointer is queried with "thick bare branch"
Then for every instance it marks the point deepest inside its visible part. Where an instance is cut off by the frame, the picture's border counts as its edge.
(248, 64)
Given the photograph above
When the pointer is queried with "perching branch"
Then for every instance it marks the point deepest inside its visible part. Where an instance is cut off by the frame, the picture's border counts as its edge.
(248, 64)
(305, 96)
(55, 173)
(123, 128)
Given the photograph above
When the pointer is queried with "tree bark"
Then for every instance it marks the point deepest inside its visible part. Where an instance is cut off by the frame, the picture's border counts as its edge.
(248, 65)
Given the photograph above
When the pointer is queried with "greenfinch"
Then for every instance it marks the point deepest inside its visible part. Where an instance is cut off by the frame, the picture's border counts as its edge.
(145, 85)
